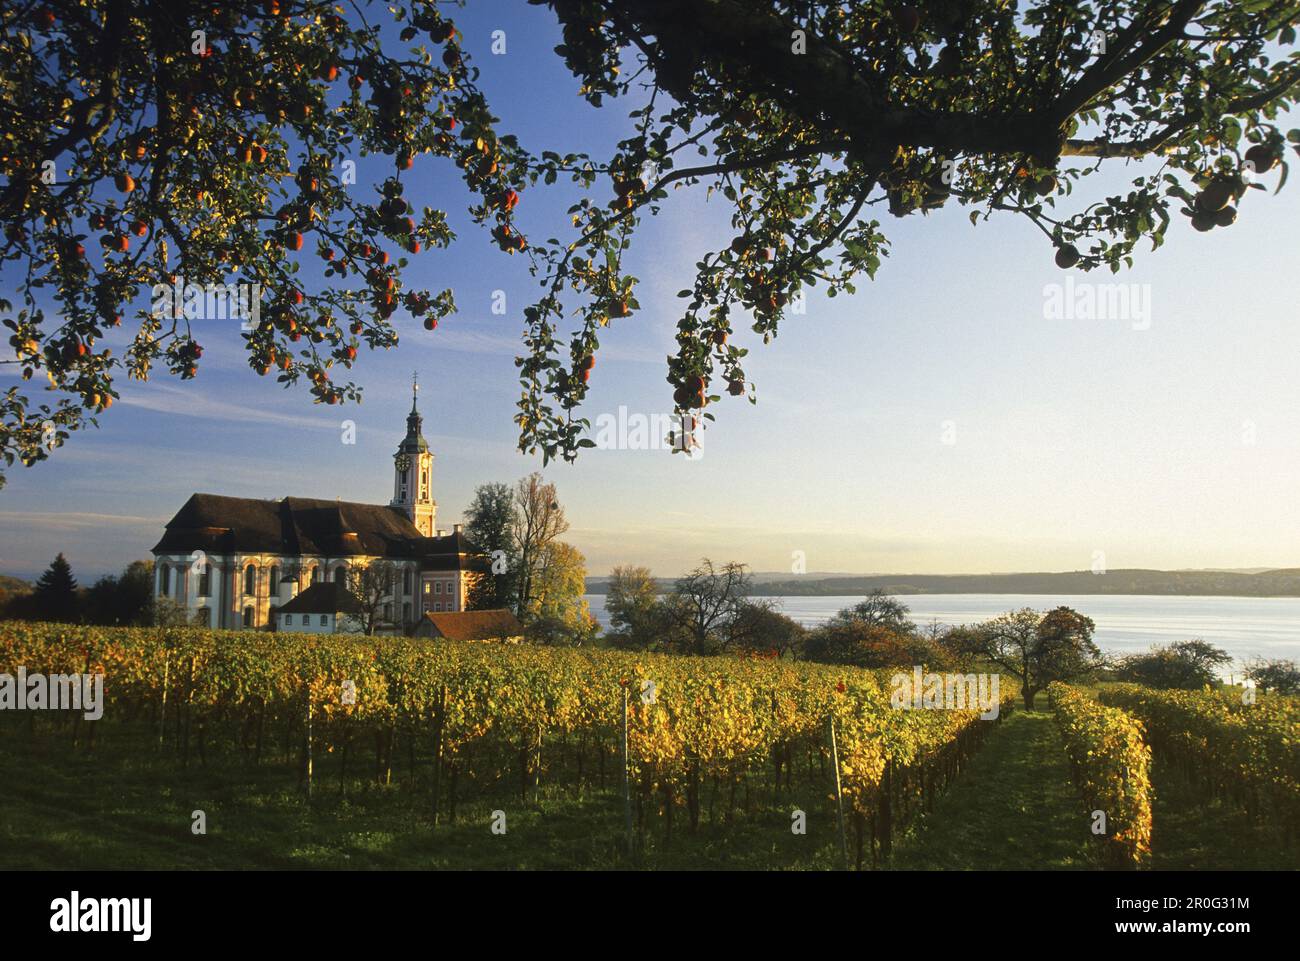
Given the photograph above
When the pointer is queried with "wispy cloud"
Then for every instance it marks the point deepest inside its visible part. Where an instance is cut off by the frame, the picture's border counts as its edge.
(477, 342)
(189, 402)
(74, 521)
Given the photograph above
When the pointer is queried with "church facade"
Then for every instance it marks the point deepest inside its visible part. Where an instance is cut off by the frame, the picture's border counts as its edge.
(231, 562)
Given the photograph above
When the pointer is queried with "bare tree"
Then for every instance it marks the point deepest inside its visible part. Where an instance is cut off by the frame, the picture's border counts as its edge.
(371, 586)
(539, 522)
(709, 606)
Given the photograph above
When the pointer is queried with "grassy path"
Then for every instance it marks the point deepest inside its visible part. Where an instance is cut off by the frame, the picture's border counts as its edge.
(1013, 808)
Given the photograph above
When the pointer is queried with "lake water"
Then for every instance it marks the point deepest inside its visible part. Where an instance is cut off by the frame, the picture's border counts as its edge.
(1245, 627)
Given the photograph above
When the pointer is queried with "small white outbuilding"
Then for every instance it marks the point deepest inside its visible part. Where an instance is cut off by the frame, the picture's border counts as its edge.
(321, 609)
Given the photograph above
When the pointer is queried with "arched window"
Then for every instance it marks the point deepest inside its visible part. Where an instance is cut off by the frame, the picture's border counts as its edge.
(406, 581)
(248, 616)
(339, 573)
(388, 611)
(205, 581)
(203, 617)
(406, 613)
(250, 579)
(313, 575)
(274, 587)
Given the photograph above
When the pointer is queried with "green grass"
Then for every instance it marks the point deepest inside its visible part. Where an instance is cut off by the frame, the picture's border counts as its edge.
(1013, 808)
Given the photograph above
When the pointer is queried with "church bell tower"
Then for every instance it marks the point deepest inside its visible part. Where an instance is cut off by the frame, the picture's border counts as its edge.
(413, 472)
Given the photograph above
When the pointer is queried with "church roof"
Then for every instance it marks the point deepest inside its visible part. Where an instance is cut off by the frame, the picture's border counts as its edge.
(471, 625)
(300, 525)
(450, 552)
(324, 598)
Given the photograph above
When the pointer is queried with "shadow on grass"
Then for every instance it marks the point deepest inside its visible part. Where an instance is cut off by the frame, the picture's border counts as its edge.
(1191, 831)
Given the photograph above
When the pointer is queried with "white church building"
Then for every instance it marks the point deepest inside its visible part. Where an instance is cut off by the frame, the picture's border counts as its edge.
(232, 562)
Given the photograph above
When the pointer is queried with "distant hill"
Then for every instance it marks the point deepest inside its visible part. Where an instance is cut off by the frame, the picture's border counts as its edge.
(1283, 582)
(12, 585)
(600, 585)
(1271, 583)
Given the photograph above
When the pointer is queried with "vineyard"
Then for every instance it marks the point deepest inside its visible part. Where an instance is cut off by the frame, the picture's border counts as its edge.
(1112, 768)
(692, 734)
(654, 753)
(1246, 753)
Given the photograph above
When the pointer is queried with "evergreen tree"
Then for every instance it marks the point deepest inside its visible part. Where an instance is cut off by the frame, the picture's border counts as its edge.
(124, 600)
(56, 592)
(490, 521)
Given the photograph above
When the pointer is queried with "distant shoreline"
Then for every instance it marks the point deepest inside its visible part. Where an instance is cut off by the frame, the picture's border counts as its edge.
(1131, 582)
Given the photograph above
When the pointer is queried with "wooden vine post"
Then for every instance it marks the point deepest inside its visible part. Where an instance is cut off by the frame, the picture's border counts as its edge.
(839, 794)
(438, 721)
(162, 710)
(627, 788)
(309, 765)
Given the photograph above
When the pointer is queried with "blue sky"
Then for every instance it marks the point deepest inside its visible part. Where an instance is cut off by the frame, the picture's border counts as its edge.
(935, 422)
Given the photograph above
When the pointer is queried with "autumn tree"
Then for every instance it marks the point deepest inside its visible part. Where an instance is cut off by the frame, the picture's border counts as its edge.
(156, 158)
(630, 602)
(1277, 675)
(539, 522)
(760, 629)
(876, 632)
(873, 645)
(1038, 648)
(143, 147)
(1186, 665)
(812, 119)
(557, 612)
